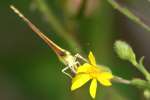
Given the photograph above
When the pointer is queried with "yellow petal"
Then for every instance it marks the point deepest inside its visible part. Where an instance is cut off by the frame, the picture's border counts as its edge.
(92, 58)
(93, 88)
(79, 80)
(83, 68)
(106, 75)
(104, 82)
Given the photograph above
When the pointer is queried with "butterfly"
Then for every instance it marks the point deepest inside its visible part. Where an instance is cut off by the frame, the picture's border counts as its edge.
(64, 56)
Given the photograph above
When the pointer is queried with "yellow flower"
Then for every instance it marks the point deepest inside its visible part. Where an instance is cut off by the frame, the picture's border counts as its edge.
(91, 71)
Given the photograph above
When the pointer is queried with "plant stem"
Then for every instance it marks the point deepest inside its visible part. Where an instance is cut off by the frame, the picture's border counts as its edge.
(141, 83)
(135, 82)
(121, 80)
(56, 25)
(142, 69)
(124, 10)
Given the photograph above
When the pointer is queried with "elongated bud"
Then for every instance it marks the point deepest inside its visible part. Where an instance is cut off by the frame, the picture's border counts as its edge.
(125, 51)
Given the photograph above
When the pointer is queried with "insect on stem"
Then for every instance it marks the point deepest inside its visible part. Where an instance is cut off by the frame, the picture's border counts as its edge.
(58, 50)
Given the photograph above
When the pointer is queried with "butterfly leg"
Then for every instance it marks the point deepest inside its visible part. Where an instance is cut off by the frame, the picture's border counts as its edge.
(64, 71)
(77, 64)
(80, 57)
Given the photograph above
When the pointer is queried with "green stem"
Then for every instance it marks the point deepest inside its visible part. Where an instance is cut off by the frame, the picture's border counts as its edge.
(124, 10)
(142, 69)
(56, 25)
(135, 82)
(140, 83)
(121, 80)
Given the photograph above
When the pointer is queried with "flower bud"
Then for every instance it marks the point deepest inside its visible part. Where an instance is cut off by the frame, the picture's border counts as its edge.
(125, 51)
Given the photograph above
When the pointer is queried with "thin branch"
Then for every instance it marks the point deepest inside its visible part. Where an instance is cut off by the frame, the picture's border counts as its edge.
(124, 10)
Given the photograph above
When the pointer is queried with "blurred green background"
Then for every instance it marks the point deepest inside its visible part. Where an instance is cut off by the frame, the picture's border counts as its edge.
(29, 70)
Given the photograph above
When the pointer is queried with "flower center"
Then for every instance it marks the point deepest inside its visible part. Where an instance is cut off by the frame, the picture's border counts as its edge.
(93, 72)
